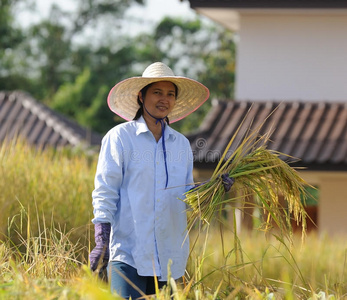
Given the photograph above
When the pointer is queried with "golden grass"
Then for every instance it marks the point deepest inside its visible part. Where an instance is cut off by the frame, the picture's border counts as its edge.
(298, 272)
(269, 268)
(46, 238)
(53, 184)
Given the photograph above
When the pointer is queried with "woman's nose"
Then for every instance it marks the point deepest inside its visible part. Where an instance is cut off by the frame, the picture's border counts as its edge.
(165, 97)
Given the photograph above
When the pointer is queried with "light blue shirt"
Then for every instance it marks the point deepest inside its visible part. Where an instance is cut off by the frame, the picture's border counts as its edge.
(148, 222)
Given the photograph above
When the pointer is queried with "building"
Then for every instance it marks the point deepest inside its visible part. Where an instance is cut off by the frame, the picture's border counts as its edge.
(23, 116)
(287, 50)
(293, 53)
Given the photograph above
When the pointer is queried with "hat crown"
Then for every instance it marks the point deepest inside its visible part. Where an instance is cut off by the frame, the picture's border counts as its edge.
(157, 69)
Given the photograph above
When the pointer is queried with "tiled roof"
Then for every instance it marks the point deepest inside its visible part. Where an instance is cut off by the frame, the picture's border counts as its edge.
(22, 115)
(269, 3)
(316, 133)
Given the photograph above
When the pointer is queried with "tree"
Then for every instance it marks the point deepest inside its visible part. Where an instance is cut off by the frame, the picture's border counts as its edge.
(41, 55)
(84, 99)
(58, 63)
(11, 37)
(52, 51)
(200, 50)
(203, 51)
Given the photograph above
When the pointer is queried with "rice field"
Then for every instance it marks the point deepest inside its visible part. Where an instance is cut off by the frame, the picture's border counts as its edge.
(46, 235)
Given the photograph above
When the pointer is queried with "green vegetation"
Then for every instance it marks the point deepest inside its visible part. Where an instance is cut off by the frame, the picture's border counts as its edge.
(46, 236)
(71, 59)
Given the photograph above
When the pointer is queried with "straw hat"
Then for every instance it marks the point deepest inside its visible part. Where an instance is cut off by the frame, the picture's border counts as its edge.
(122, 98)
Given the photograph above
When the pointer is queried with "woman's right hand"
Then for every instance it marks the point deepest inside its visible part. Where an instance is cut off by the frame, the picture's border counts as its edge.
(100, 255)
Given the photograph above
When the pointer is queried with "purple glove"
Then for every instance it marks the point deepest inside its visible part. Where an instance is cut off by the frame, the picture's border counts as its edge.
(100, 254)
(227, 182)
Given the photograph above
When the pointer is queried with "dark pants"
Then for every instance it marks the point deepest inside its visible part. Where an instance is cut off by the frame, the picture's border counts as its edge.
(126, 282)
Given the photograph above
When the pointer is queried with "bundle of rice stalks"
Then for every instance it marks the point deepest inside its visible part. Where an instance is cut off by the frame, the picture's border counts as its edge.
(257, 171)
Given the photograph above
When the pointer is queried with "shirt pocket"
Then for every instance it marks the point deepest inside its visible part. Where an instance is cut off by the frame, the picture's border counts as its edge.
(178, 177)
(124, 219)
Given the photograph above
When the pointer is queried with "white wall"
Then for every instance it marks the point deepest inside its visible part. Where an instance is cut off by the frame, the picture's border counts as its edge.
(292, 56)
(332, 207)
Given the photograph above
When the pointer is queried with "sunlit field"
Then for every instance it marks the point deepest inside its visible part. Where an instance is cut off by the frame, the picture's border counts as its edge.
(46, 235)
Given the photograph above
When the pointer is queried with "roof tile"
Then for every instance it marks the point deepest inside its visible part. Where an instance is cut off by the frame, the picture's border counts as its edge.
(22, 115)
(314, 132)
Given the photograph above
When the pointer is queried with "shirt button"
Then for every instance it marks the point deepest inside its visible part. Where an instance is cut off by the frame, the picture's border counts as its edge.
(158, 200)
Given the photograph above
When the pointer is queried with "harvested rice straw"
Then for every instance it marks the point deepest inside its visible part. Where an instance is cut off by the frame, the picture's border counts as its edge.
(258, 171)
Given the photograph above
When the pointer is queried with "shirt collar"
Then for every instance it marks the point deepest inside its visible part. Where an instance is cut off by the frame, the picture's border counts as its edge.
(141, 127)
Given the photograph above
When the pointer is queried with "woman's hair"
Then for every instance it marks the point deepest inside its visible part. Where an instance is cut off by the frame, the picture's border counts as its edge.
(139, 112)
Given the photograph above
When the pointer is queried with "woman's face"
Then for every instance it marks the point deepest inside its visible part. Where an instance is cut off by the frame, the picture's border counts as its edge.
(160, 99)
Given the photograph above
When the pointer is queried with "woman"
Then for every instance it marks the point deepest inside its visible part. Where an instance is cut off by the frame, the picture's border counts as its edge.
(144, 169)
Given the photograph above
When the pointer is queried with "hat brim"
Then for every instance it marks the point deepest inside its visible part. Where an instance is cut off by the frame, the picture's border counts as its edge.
(122, 99)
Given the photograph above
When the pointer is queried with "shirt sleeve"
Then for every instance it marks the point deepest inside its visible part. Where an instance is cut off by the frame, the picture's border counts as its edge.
(108, 179)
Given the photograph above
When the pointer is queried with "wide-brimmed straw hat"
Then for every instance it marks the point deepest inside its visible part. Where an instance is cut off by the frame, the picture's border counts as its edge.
(122, 98)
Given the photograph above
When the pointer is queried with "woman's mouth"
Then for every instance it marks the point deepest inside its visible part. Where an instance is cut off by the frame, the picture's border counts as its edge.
(162, 108)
